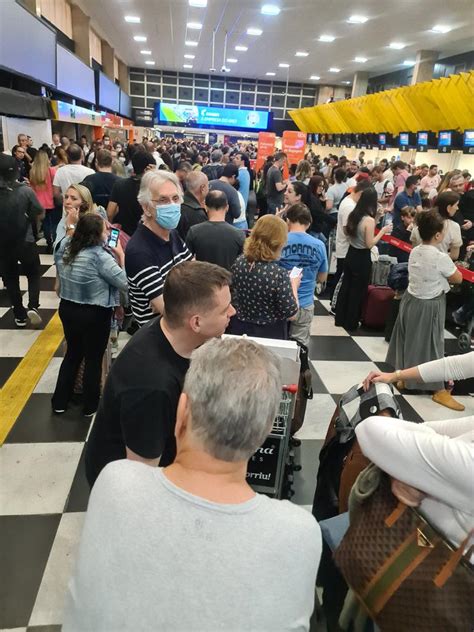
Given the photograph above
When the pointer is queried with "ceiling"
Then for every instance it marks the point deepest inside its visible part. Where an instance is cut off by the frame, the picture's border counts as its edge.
(297, 28)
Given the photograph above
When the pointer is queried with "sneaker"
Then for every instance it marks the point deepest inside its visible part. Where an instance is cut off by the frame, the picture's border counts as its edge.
(59, 411)
(445, 398)
(34, 316)
(90, 414)
(21, 322)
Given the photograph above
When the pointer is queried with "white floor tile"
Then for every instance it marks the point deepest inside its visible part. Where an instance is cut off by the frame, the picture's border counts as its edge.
(324, 326)
(46, 260)
(50, 272)
(3, 311)
(49, 605)
(37, 477)
(307, 507)
(448, 335)
(15, 343)
(13, 630)
(326, 304)
(319, 411)
(47, 382)
(23, 283)
(49, 300)
(431, 411)
(122, 341)
(338, 377)
(375, 348)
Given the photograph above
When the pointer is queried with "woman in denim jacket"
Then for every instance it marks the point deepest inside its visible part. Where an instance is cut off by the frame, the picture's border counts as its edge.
(89, 283)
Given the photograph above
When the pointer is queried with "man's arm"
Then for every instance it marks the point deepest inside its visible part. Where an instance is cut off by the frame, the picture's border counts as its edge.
(57, 195)
(112, 209)
(157, 305)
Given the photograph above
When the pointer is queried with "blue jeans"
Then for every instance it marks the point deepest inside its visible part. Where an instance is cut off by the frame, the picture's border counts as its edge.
(50, 223)
(321, 236)
(242, 225)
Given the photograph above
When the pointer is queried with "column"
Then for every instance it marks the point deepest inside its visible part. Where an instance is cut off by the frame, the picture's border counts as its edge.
(32, 5)
(80, 33)
(108, 59)
(325, 93)
(359, 84)
(123, 76)
(424, 67)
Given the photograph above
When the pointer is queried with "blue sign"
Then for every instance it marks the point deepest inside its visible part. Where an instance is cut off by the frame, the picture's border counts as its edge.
(198, 115)
(404, 139)
(423, 138)
(469, 138)
(444, 139)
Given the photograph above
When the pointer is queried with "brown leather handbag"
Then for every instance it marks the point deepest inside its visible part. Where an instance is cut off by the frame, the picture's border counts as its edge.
(402, 571)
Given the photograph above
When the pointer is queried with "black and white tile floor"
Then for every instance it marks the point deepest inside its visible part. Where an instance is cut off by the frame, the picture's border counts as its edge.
(43, 493)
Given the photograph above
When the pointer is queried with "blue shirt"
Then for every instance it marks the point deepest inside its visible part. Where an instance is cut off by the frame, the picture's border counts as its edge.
(244, 181)
(403, 199)
(307, 252)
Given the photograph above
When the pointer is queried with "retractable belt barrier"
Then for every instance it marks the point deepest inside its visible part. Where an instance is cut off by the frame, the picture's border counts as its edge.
(467, 275)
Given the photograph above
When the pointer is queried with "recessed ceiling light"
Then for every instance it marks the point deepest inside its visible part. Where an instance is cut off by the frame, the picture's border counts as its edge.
(201, 4)
(360, 60)
(357, 19)
(241, 48)
(149, 62)
(315, 77)
(189, 56)
(133, 19)
(270, 74)
(270, 9)
(327, 38)
(409, 62)
(334, 69)
(284, 65)
(196, 26)
(441, 28)
(347, 83)
(190, 43)
(187, 65)
(301, 53)
(145, 52)
(139, 38)
(232, 60)
(254, 31)
(396, 45)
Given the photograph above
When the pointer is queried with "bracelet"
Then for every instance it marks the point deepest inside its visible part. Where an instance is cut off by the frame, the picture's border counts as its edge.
(398, 374)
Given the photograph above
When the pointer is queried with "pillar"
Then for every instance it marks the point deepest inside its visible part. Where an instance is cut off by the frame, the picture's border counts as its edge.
(32, 5)
(424, 66)
(123, 76)
(359, 84)
(108, 59)
(80, 33)
(325, 93)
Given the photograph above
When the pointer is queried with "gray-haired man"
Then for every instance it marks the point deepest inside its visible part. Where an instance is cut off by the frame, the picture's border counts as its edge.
(191, 546)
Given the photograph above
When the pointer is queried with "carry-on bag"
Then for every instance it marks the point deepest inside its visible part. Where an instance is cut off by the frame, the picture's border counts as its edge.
(376, 307)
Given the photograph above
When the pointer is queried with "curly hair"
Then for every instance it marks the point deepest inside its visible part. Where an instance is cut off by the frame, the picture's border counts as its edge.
(266, 240)
(88, 233)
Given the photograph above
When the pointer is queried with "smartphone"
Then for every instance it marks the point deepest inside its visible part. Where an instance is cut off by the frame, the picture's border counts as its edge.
(295, 272)
(114, 237)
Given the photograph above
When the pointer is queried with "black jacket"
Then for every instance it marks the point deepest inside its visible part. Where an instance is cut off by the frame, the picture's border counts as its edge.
(191, 213)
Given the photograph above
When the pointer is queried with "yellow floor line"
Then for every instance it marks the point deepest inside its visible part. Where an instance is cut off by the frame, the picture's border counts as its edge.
(18, 388)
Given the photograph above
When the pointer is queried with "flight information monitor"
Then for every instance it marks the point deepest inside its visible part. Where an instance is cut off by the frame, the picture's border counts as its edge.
(204, 116)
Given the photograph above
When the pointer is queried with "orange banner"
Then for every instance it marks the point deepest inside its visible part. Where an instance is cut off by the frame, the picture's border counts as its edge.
(294, 146)
(266, 147)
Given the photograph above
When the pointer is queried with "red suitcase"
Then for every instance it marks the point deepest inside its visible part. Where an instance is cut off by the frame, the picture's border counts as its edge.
(376, 307)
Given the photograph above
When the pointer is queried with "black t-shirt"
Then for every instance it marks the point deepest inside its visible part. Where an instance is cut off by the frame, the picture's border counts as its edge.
(232, 198)
(138, 406)
(274, 176)
(124, 194)
(100, 185)
(216, 242)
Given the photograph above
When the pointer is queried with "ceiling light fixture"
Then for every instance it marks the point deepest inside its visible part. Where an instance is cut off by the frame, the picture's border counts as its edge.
(327, 38)
(132, 19)
(396, 45)
(190, 43)
(315, 77)
(189, 56)
(200, 4)
(145, 52)
(357, 19)
(334, 69)
(187, 65)
(232, 60)
(139, 38)
(241, 48)
(283, 65)
(360, 60)
(252, 30)
(270, 74)
(195, 26)
(301, 53)
(149, 62)
(409, 62)
(346, 83)
(270, 9)
(441, 29)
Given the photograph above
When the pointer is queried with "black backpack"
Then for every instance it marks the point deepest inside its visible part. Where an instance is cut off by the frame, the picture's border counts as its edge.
(14, 217)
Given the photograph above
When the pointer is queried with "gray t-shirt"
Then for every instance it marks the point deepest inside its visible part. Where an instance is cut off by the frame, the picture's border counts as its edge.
(273, 195)
(232, 198)
(154, 557)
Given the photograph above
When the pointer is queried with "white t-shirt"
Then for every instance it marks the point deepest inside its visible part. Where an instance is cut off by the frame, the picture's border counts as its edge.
(342, 240)
(428, 272)
(451, 236)
(70, 174)
(384, 188)
(335, 193)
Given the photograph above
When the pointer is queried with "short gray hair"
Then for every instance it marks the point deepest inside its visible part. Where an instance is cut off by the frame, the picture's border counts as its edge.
(156, 176)
(195, 179)
(234, 390)
(216, 155)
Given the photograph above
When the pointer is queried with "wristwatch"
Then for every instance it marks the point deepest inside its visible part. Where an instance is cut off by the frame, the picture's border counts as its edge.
(398, 373)
(70, 226)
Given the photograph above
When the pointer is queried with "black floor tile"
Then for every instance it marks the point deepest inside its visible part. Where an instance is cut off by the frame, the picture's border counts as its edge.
(26, 543)
(366, 331)
(8, 320)
(385, 367)
(7, 366)
(79, 494)
(47, 284)
(60, 351)
(44, 628)
(317, 383)
(4, 300)
(408, 412)
(305, 480)
(320, 310)
(38, 424)
(336, 348)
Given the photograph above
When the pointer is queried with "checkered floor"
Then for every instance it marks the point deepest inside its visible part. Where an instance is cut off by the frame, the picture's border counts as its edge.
(44, 494)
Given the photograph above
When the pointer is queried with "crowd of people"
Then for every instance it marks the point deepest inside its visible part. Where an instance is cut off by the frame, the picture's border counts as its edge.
(181, 242)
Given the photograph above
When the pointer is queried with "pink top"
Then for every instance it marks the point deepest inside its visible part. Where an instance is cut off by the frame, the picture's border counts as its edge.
(44, 193)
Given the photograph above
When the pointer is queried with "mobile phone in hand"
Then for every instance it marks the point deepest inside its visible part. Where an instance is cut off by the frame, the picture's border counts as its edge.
(114, 237)
(295, 272)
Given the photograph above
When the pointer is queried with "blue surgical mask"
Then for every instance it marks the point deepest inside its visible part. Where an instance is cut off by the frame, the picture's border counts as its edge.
(168, 215)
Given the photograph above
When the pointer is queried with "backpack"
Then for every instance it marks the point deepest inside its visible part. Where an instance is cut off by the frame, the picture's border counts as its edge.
(14, 219)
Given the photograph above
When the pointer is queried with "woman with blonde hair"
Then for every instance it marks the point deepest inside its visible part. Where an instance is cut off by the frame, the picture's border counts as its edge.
(264, 295)
(41, 181)
(60, 157)
(76, 203)
(303, 171)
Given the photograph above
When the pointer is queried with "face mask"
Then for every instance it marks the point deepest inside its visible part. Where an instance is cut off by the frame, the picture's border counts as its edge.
(122, 158)
(168, 215)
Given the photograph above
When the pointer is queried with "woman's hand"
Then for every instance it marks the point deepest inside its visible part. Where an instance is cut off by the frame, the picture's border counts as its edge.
(467, 225)
(72, 215)
(375, 377)
(280, 212)
(119, 253)
(407, 494)
(387, 229)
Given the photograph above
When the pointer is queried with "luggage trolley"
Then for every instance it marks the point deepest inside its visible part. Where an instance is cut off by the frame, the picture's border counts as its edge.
(266, 469)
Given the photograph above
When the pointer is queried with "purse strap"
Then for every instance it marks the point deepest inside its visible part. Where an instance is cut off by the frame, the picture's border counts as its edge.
(448, 569)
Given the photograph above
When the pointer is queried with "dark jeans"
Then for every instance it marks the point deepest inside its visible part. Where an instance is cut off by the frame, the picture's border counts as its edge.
(50, 223)
(357, 268)
(86, 329)
(277, 330)
(27, 255)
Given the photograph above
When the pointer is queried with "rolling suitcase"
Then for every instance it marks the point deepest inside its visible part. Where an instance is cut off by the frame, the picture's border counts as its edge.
(376, 307)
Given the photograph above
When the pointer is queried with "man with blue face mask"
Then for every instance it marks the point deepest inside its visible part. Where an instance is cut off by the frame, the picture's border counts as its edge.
(155, 247)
